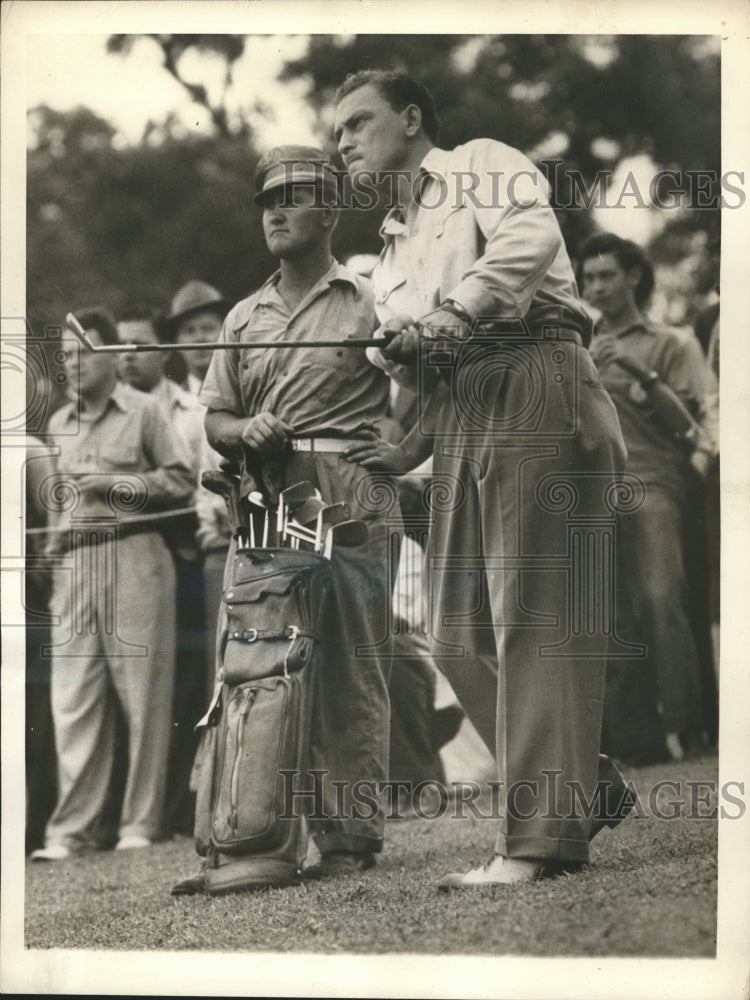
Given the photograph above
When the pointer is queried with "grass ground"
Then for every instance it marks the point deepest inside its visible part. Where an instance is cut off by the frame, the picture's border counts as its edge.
(650, 891)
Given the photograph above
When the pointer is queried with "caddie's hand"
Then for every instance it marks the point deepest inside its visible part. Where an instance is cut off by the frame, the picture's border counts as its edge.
(378, 455)
(266, 434)
(94, 484)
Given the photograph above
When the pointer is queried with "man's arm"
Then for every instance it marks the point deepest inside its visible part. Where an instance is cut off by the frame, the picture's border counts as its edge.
(521, 234)
(414, 449)
(264, 433)
(171, 480)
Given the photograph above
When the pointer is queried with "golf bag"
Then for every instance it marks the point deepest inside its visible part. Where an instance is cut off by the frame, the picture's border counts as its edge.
(260, 726)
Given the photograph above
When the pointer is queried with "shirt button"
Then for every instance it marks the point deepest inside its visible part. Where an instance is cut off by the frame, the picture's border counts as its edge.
(380, 298)
(284, 371)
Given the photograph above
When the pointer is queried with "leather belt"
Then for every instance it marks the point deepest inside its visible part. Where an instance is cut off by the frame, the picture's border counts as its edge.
(334, 446)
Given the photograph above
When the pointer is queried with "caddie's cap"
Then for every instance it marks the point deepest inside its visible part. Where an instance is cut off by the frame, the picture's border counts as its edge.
(284, 165)
(193, 296)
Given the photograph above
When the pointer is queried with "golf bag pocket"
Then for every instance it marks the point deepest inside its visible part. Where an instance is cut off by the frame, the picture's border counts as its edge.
(274, 606)
(262, 733)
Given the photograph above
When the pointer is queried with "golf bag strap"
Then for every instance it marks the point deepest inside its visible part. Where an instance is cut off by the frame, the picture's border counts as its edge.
(286, 632)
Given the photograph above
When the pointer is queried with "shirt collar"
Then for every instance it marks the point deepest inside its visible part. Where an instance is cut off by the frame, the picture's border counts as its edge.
(122, 397)
(335, 273)
(170, 394)
(433, 162)
(642, 324)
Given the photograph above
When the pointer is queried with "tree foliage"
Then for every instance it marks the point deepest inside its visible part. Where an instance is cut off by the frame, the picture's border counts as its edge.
(108, 223)
(173, 47)
(588, 101)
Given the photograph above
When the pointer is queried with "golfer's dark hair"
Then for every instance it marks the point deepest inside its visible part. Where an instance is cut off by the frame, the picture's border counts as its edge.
(99, 318)
(399, 90)
(628, 255)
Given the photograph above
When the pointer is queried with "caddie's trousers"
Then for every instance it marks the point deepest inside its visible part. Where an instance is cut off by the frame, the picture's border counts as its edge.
(116, 639)
(528, 448)
(350, 733)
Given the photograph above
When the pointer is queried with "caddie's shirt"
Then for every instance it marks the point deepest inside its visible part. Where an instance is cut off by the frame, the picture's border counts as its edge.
(323, 391)
(130, 436)
(653, 454)
(482, 234)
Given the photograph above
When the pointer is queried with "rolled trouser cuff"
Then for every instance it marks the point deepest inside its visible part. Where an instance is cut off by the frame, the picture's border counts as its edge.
(543, 848)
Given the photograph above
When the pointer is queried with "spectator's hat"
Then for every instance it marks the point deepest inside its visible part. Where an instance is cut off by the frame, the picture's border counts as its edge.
(285, 165)
(193, 297)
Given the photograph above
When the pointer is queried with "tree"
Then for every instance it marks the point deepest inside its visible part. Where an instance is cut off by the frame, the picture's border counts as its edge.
(173, 47)
(108, 224)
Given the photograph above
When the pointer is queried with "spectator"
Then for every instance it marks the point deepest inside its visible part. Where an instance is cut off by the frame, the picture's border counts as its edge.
(197, 312)
(115, 602)
(653, 710)
(196, 316)
(41, 790)
(144, 370)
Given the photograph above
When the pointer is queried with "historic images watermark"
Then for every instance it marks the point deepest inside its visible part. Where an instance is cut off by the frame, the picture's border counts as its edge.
(695, 190)
(308, 794)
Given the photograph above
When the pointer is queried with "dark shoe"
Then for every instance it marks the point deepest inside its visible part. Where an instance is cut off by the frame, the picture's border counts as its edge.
(340, 863)
(618, 800)
(190, 886)
(507, 871)
(248, 875)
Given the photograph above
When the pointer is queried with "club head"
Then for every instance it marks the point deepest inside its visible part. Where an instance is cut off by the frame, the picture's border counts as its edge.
(297, 493)
(221, 483)
(307, 512)
(345, 533)
(256, 498)
(332, 514)
(289, 500)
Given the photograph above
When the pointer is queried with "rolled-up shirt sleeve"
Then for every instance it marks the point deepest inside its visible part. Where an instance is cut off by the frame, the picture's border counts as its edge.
(221, 388)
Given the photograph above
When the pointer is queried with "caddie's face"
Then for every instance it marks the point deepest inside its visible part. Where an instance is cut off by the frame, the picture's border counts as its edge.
(370, 135)
(293, 221)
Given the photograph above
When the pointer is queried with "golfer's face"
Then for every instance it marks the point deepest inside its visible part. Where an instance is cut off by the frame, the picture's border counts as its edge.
(369, 133)
(292, 223)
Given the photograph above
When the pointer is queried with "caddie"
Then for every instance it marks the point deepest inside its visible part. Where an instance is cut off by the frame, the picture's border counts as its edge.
(295, 410)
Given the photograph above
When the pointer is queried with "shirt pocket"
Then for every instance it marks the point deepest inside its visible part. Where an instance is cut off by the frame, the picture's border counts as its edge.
(387, 288)
(449, 219)
(119, 455)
